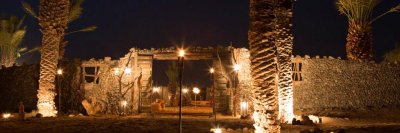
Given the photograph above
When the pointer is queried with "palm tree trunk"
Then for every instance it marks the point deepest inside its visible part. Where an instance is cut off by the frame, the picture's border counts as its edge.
(284, 43)
(263, 65)
(53, 19)
(359, 42)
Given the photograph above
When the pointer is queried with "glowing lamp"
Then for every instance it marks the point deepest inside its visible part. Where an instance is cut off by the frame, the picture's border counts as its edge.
(217, 130)
(244, 105)
(212, 70)
(196, 90)
(156, 89)
(128, 71)
(59, 71)
(185, 90)
(124, 103)
(181, 53)
(236, 67)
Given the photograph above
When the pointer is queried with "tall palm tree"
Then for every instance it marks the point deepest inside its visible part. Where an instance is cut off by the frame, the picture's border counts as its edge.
(284, 43)
(263, 65)
(76, 9)
(53, 19)
(12, 32)
(359, 36)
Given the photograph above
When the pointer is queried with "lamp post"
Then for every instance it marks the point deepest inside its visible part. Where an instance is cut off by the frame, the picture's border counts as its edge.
(195, 91)
(59, 74)
(213, 95)
(180, 62)
(236, 68)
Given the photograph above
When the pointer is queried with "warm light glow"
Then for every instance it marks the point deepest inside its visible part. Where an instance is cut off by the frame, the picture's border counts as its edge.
(128, 71)
(59, 71)
(46, 105)
(181, 53)
(212, 70)
(116, 71)
(124, 103)
(156, 89)
(6, 115)
(185, 90)
(244, 107)
(236, 67)
(314, 118)
(217, 130)
(196, 90)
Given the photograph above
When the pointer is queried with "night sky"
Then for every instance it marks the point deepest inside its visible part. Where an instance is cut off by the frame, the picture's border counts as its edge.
(319, 29)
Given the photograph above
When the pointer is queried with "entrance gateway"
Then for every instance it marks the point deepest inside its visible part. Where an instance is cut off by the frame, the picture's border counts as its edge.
(106, 83)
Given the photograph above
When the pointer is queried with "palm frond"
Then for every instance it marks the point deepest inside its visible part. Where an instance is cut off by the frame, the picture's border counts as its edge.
(391, 10)
(75, 10)
(87, 29)
(22, 53)
(28, 9)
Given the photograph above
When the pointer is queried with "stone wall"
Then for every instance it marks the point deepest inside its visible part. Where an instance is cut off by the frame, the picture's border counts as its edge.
(20, 83)
(336, 87)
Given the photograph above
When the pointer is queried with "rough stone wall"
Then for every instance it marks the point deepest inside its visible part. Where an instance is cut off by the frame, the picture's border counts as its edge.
(20, 83)
(242, 58)
(112, 84)
(336, 87)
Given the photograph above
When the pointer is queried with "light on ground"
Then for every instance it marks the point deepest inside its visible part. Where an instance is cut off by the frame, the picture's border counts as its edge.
(6, 115)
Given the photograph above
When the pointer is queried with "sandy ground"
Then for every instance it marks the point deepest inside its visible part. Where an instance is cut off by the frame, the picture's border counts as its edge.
(168, 123)
(144, 123)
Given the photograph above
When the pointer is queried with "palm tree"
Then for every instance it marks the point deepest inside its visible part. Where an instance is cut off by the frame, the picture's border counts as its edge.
(75, 12)
(11, 35)
(53, 19)
(359, 36)
(263, 65)
(284, 43)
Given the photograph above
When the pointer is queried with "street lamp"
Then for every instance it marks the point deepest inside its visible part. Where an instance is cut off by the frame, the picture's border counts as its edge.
(195, 91)
(213, 95)
(181, 57)
(59, 74)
